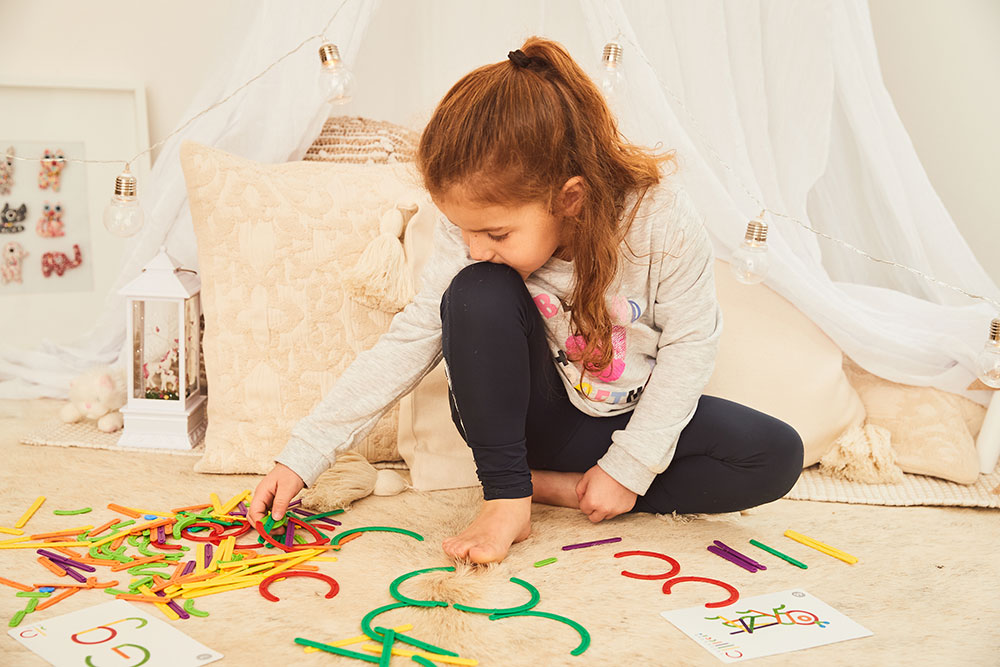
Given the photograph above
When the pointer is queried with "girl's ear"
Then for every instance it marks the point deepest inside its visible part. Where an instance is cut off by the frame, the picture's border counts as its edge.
(571, 197)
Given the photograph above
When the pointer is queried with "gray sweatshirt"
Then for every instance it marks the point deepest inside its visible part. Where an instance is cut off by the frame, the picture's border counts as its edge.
(667, 323)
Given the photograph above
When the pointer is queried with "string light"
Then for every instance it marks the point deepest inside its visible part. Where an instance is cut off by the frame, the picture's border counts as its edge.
(336, 79)
(123, 215)
(750, 262)
(610, 78)
(989, 358)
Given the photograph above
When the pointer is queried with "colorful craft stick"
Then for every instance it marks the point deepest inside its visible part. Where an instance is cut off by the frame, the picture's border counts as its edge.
(30, 512)
(581, 545)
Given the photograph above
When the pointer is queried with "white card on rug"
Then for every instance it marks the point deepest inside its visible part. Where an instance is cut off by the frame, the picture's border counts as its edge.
(113, 633)
(765, 625)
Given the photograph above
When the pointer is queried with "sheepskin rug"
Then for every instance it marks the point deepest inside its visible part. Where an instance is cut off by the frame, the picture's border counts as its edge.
(925, 583)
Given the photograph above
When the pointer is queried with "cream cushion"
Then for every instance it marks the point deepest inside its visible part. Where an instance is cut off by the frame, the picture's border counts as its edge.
(932, 432)
(274, 241)
(771, 358)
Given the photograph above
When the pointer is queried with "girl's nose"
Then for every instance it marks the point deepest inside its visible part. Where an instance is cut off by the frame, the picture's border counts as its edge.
(479, 250)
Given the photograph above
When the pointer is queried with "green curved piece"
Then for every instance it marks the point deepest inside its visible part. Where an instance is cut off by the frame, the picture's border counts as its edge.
(366, 622)
(82, 510)
(394, 588)
(535, 597)
(384, 529)
(143, 547)
(584, 635)
(182, 524)
(189, 608)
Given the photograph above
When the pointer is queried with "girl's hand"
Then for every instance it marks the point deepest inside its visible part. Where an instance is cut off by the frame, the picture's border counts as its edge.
(275, 491)
(602, 497)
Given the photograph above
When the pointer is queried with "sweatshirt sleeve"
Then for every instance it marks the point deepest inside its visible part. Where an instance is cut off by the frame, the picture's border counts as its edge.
(687, 311)
(381, 375)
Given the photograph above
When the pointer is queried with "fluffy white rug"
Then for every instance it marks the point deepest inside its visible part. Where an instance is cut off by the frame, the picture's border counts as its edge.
(925, 583)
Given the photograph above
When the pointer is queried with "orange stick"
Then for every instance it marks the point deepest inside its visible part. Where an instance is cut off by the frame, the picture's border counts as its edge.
(143, 598)
(14, 584)
(123, 510)
(118, 567)
(59, 598)
(58, 533)
(349, 538)
(191, 508)
(51, 567)
(100, 529)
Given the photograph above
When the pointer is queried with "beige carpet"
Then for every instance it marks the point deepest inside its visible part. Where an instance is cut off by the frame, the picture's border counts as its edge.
(926, 583)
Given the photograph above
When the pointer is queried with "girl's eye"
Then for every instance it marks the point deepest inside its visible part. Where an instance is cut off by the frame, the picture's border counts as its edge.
(499, 238)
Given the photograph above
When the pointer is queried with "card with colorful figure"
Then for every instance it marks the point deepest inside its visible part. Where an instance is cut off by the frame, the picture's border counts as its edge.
(765, 625)
(115, 632)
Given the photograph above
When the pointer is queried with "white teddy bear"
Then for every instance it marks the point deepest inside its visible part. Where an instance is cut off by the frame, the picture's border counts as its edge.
(97, 394)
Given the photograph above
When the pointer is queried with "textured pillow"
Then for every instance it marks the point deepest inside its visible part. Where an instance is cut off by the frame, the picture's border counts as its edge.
(932, 432)
(362, 141)
(274, 242)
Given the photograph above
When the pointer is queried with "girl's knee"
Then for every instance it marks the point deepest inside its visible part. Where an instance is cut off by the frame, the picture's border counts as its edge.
(786, 453)
(482, 288)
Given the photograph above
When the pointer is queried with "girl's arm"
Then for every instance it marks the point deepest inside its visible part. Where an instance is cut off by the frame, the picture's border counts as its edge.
(381, 375)
(687, 311)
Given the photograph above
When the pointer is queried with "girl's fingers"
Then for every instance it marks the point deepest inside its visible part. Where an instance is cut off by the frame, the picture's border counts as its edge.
(261, 499)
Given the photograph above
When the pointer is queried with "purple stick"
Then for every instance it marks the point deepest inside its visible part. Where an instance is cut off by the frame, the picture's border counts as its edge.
(64, 559)
(73, 573)
(289, 534)
(732, 559)
(208, 553)
(295, 502)
(326, 519)
(581, 545)
(189, 568)
(161, 536)
(240, 509)
(176, 607)
(743, 557)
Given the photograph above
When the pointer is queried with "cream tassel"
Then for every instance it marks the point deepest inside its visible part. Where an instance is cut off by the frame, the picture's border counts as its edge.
(350, 478)
(863, 455)
(381, 279)
(389, 483)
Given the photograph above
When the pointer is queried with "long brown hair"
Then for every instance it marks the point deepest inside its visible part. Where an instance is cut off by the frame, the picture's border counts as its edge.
(510, 135)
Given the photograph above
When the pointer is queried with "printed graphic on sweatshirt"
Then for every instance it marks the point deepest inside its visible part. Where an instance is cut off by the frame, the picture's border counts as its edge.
(623, 312)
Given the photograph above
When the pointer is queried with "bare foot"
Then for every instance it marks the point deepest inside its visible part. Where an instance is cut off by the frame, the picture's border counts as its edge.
(552, 487)
(487, 539)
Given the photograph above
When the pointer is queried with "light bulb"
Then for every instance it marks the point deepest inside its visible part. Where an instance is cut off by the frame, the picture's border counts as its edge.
(336, 80)
(610, 78)
(988, 361)
(123, 216)
(750, 262)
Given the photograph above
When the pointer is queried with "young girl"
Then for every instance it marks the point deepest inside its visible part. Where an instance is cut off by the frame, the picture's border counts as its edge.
(571, 296)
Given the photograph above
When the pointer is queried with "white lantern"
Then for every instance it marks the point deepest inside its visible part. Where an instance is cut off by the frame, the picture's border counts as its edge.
(166, 409)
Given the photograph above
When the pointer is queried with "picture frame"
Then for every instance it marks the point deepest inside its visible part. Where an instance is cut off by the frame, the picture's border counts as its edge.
(92, 120)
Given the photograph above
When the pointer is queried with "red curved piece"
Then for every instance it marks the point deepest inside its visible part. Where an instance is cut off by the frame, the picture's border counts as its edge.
(318, 539)
(242, 529)
(675, 567)
(214, 538)
(270, 540)
(734, 594)
(262, 587)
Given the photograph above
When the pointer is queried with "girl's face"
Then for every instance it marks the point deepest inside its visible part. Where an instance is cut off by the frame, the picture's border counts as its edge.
(522, 237)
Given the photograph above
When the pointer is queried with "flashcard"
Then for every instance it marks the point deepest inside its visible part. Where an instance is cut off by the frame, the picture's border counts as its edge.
(113, 633)
(765, 625)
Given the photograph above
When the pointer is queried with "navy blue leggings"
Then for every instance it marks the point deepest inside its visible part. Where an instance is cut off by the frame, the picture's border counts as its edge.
(510, 406)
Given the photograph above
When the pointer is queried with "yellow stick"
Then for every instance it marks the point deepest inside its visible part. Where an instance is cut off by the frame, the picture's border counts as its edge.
(451, 660)
(232, 502)
(227, 549)
(10, 531)
(820, 546)
(31, 510)
(199, 558)
(131, 529)
(15, 540)
(253, 581)
(354, 640)
(162, 606)
(216, 503)
(261, 559)
(43, 545)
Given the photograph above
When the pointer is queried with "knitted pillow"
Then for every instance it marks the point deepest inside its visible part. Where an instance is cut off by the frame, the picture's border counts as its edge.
(274, 242)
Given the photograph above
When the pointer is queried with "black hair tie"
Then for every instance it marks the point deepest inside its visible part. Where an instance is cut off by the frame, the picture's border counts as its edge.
(519, 59)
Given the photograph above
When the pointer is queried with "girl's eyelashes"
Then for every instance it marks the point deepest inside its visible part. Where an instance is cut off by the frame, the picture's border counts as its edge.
(500, 237)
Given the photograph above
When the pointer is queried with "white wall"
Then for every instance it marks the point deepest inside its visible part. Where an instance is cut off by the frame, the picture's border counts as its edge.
(941, 62)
